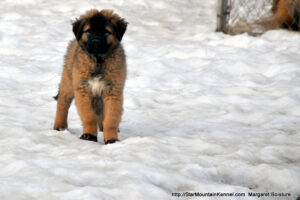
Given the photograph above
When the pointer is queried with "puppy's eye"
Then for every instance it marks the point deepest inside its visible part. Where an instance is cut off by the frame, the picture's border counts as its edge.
(107, 32)
(87, 31)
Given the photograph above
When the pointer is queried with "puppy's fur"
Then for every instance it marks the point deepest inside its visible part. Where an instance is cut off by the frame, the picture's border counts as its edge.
(94, 73)
(287, 13)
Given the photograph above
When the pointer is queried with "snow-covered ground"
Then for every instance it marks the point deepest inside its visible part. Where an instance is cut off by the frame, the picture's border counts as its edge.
(204, 112)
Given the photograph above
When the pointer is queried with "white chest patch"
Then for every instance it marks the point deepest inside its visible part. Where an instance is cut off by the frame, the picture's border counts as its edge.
(96, 85)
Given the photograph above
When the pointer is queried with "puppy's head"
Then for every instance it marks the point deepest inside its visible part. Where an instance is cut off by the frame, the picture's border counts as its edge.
(97, 32)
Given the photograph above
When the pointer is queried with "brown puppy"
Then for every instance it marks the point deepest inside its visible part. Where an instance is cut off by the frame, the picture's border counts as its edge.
(287, 13)
(94, 73)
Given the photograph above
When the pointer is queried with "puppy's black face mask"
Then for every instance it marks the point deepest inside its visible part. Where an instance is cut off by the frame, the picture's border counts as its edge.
(94, 34)
(97, 36)
(97, 43)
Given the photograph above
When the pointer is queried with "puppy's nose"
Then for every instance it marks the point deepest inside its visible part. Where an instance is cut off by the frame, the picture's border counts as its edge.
(96, 40)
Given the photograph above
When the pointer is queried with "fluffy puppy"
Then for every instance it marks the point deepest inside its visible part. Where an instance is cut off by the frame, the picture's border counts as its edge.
(94, 74)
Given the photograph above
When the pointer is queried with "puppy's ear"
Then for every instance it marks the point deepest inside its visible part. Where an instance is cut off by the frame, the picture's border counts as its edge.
(77, 28)
(120, 28)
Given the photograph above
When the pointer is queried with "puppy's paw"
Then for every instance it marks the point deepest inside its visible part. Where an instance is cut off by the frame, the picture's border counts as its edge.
(111, 141)
(101, 128)
(60, 128)
(88, 136)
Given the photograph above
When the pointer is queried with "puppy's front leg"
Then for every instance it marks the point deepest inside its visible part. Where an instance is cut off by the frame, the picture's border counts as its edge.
(83, 102)
(112, 117)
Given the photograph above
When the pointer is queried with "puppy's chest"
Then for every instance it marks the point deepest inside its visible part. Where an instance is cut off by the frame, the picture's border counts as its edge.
(97, 83)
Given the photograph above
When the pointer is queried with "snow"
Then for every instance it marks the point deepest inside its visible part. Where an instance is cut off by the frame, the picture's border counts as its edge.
(204, 111)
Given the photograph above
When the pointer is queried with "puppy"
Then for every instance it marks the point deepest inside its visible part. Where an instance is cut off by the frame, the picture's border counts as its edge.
(94, 74)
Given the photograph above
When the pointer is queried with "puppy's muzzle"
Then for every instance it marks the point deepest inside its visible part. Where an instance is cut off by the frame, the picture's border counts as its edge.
(97, 45)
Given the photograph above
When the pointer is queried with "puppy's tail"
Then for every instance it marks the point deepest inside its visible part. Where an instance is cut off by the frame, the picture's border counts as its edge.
(56, 97)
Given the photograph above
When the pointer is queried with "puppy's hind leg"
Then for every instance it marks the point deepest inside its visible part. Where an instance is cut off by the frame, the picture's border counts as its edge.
(64, 100)
(97, 104)
(100, 122)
